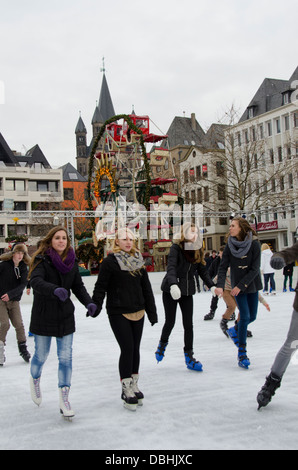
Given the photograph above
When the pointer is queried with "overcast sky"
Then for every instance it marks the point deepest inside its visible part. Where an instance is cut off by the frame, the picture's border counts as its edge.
(164, 57)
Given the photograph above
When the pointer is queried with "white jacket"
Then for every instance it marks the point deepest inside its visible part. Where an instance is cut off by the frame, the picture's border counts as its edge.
(265, 262)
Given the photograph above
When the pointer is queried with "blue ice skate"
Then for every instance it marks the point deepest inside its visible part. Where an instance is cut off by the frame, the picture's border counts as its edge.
(232, 332)
(243, 360)
(160, 352)
(191, 362)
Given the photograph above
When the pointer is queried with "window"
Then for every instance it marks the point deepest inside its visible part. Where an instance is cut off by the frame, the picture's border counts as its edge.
(198, 172)
(205, 170)
(206, 194)
(68, 194)
(199, 196)
(277, 124)
(185, 176)
(271, 154)
(287, 122)
(20, 206)
(221, 192)
(279, 153)
(290, 181)
(219, 168)
(269, 128)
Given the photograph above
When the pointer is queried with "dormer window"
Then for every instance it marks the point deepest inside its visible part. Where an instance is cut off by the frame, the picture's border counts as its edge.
(286, 99)
(251, 112)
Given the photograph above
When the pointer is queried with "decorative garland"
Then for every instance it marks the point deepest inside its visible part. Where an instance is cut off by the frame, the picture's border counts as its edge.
(144, 155)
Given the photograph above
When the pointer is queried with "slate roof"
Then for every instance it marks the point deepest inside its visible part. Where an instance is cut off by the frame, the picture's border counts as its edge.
(269, 96)
(6, 154)
(71, 174)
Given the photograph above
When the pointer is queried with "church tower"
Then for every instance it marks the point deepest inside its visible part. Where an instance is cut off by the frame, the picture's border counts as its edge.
(81, 145)
(103, 111)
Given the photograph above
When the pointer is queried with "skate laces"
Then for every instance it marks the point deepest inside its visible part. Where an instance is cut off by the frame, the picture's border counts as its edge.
(36, 383)
(65, 398)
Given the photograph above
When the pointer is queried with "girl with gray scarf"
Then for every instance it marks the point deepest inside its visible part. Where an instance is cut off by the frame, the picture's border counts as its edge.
(243, 254)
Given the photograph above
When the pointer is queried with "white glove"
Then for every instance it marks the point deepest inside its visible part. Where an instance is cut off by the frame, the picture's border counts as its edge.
(213, 291)
(175, 292)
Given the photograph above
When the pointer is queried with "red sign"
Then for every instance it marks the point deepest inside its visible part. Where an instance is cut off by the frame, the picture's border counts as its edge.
(262, 226)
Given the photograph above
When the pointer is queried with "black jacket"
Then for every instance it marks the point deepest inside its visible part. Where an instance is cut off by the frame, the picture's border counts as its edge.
(245, 271)
(181, 272)
(290, 255)
(50, 316)
(126, 292)
(10, 282)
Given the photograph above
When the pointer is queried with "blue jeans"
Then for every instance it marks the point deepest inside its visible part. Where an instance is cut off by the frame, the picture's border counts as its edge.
(248, 308)
(269, 277)
(64, 352)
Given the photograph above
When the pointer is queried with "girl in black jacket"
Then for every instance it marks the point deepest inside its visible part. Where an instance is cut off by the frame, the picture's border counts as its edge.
(53, 274)
(178, 286)
(123, 277)
(243, 254)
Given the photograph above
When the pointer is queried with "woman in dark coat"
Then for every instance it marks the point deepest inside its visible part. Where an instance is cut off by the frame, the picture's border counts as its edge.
(178, 286)
(53, 274)
(243, 255)
(123, 277)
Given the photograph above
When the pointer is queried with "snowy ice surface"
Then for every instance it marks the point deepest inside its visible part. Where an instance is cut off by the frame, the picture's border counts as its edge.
(183, 410)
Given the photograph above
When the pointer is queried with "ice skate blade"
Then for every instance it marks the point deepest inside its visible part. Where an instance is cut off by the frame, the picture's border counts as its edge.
(243, 366)
(140, 402)
(68, 415)
(130, 407)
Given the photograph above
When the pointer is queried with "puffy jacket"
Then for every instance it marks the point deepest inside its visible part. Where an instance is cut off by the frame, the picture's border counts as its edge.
(265, 261)
(181, 272)
(290, 255)
(126, 292)
(50, 316)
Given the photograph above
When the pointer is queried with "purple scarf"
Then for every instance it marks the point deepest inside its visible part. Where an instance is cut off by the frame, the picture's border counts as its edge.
(62, 266)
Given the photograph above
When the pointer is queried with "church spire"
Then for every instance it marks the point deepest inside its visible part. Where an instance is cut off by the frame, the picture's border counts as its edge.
(105, 104)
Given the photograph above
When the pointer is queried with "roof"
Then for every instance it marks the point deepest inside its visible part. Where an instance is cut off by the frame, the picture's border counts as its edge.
(269, 96)
(80, 126)
(71, 174)
(34, 155)
(185, 131)
(6, 154)
(105, 104)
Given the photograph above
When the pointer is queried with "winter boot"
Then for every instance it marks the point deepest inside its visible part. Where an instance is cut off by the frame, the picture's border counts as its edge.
(24, 353)
(65, 408)
(135, 389)
(233, 334)
(130, 401)
(2, 355)
(224, 326)
(243, 360)
(35, 390)
(268, 390)
(209, 315)
(191, 362)
(159, 354)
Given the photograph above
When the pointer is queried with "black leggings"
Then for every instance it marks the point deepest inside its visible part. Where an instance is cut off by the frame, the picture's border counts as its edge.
(128, 334)
(186, 305)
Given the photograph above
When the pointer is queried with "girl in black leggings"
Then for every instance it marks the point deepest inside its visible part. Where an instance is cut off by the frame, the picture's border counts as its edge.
(178, 286)
(123, 277)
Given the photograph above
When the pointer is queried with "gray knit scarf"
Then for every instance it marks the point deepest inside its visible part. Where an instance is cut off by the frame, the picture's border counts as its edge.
(128, 262)
(240, 248)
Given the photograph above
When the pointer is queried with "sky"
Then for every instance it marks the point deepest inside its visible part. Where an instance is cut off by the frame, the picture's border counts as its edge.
(164, 58)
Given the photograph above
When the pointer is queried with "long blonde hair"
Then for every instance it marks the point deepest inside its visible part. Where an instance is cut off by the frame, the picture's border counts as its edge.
(199, 252)
(44, 244)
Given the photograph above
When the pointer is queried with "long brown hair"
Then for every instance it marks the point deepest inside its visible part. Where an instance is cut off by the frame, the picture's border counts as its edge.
(197, 255)
(44, 244)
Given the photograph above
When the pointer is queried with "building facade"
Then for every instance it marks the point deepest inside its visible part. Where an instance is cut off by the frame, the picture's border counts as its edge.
(27, 183)
(265, 145)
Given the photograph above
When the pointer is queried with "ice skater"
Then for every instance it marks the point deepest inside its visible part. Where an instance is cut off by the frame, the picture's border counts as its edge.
(178, 287)
(273, 381)
(53, 274)
(13, 272)
(243, 254)
(123, 278)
